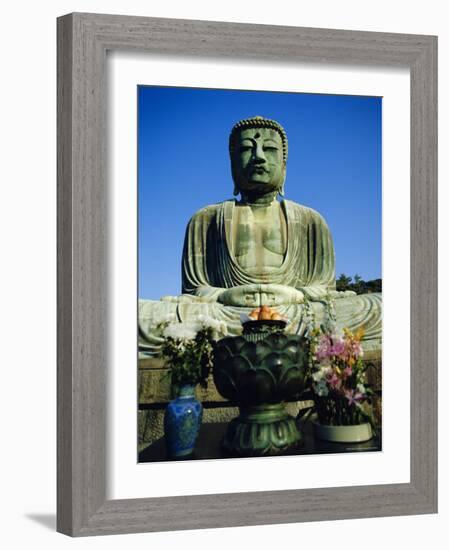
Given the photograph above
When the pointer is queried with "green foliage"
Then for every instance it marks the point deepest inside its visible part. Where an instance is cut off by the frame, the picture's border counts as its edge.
(358, 285)
(343, 282)
(189, 360)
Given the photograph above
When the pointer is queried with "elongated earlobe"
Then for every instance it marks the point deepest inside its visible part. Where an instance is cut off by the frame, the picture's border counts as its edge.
(284, 174)
(236, 191)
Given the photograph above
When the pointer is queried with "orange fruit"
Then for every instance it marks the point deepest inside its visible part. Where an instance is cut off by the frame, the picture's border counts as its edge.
(264, 316)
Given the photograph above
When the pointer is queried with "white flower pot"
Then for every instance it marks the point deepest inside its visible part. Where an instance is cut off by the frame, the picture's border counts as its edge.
(343, 434)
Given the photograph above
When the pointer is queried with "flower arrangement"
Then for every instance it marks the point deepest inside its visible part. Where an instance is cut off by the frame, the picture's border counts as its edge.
(188, 347)
(337, 376)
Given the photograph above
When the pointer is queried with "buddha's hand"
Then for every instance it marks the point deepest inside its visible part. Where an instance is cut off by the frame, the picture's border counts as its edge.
(256, 295)
(241, 296)
(278, 295)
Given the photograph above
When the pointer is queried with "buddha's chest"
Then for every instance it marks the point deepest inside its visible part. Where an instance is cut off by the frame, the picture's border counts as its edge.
(259, 237)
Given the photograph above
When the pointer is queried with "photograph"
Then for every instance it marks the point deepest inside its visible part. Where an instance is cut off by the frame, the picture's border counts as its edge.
(247, 305)
(259, 273)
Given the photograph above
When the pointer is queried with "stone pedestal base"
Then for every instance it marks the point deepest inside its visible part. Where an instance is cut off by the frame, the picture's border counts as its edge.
(261, 431)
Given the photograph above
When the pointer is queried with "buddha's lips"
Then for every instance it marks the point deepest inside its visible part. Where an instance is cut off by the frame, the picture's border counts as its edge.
(259, 170)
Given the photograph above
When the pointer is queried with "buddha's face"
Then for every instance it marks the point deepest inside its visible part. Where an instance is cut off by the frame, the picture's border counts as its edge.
(257, 161)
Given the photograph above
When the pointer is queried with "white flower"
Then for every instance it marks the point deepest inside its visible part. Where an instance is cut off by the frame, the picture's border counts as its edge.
(180, 331)
(207, 321)
(321, 388)
(321, 374)
(338, 334)
(318, 375)
(361, 388)
(218, 327)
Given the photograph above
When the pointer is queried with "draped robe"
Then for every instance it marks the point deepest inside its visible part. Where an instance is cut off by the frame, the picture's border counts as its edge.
(208, 260)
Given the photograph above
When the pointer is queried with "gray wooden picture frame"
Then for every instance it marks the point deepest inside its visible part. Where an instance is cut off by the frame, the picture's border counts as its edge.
(83, 40)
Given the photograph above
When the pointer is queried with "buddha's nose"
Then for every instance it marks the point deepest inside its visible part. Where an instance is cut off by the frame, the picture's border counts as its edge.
(258, 154)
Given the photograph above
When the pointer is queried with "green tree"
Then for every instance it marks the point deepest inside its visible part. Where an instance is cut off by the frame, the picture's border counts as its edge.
(358, 285)
(343, 282)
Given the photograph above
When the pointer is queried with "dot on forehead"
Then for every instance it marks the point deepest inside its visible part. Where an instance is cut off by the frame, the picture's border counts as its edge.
(257, 133)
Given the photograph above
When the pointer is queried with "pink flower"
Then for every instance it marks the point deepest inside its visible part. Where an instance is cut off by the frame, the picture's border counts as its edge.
(353, 348)
(353, 397)
(338, 348)
(348, 371)
(333, 381)
(324, 348)
(357, 349)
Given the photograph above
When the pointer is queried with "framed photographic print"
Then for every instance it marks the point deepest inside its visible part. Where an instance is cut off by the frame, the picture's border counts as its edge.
(247, 242)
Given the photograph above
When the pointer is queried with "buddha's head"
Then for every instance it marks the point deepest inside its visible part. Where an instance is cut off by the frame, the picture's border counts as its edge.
(258, 148)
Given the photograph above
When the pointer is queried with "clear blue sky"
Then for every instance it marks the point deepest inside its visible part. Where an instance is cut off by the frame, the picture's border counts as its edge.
(334, 166)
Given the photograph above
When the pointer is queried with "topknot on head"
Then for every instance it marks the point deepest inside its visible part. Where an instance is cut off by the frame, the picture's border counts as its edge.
(258, 122)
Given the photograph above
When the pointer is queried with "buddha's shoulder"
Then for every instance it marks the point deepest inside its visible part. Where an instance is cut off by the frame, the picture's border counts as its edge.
(302, 210)
(207, 213)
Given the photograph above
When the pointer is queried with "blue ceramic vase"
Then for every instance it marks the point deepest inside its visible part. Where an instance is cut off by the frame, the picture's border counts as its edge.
(182, 423)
